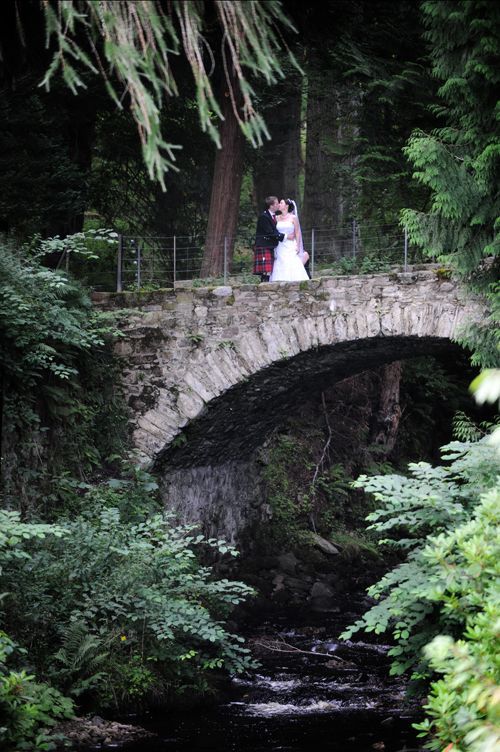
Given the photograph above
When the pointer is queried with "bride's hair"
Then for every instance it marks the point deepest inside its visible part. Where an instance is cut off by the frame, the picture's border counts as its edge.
(290, 204)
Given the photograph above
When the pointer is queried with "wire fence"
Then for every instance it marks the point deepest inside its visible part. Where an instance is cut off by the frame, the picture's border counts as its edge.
(152, 262)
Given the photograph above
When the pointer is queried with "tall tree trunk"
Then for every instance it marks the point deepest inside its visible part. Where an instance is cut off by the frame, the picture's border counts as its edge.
(385, 419)
(316, 195)
(292, 157)
(225, 196)
(82, 112)
(279, 161)
(268, 168)
(330, 190)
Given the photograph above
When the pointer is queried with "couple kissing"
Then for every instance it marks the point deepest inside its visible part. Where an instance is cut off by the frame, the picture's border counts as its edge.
(279, 254)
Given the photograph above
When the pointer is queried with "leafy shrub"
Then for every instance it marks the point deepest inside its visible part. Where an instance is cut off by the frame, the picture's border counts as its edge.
(45, 320)
(465, 429)
(373, 265)
(463, 706)
(57, 378)
(29, 710)
(120, 607)
(429, 502)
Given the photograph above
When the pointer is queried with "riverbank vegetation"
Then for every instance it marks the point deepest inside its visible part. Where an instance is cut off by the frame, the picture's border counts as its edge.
(441, 604)
(106, 603)
(110, 608)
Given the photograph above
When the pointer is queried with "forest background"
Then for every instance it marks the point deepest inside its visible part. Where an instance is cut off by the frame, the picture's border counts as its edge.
(355, 82)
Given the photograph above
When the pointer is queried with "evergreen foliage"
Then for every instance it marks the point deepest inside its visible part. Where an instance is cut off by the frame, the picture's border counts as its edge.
(383, 59)
(120, 189)
(368, 86)
(459, 161)
(41, 187)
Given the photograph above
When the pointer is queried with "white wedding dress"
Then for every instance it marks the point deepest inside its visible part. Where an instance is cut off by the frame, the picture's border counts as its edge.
(287, 265)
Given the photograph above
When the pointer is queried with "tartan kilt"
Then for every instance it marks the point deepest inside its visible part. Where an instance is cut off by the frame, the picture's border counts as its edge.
(263, 259)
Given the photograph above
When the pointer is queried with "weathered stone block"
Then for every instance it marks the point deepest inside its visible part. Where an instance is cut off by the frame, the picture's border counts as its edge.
(222, 292)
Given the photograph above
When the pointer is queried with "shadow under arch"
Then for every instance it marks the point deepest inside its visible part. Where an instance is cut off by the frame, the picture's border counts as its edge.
(235, 424)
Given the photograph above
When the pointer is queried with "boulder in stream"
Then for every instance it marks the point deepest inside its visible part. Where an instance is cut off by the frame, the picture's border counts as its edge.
(86, 733)
(324, 545)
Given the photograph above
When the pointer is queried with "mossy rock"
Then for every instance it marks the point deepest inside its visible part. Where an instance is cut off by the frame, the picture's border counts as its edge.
(443, 272)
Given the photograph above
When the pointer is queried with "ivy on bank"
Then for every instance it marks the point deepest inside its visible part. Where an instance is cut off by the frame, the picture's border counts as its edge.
(58, 375)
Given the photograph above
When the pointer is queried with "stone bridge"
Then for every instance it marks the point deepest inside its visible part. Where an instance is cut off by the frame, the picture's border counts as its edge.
(209, 372)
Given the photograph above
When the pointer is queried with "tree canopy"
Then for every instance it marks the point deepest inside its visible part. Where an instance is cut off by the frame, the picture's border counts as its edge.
(459, 161)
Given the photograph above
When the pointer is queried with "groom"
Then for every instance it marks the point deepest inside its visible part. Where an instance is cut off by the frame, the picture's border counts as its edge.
(267, 238)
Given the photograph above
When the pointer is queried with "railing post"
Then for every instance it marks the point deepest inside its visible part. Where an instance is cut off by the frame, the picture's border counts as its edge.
(406, 249)
(354, 238)
(138, 258)
(313, 243)
(225, 258)
(119, 265)
(175, 258)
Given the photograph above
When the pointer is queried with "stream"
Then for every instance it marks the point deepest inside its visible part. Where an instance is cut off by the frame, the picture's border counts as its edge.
(311, 690)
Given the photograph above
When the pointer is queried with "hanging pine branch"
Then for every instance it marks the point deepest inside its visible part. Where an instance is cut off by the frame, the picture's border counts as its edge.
(133, 43)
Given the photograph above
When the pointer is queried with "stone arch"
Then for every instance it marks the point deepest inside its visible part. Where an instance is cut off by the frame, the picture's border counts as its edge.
(185, 350)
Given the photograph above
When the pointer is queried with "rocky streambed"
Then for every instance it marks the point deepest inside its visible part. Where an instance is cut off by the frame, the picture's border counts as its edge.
(310, 689)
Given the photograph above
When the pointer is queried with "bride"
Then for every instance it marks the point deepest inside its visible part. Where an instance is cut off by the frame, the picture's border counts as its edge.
(289, 258)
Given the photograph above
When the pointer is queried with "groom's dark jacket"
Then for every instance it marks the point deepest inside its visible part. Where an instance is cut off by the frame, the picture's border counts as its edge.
(267, 238)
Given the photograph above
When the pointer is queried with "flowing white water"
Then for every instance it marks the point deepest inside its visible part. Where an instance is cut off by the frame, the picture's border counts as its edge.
(312, 691)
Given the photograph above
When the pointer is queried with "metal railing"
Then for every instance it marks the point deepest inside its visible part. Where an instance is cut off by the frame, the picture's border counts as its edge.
(151, 262)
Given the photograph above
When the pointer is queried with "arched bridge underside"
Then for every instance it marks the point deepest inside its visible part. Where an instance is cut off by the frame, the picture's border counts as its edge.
(209, 372)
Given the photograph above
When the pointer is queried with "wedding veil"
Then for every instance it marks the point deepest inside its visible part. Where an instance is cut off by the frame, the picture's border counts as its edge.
(295, 208)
